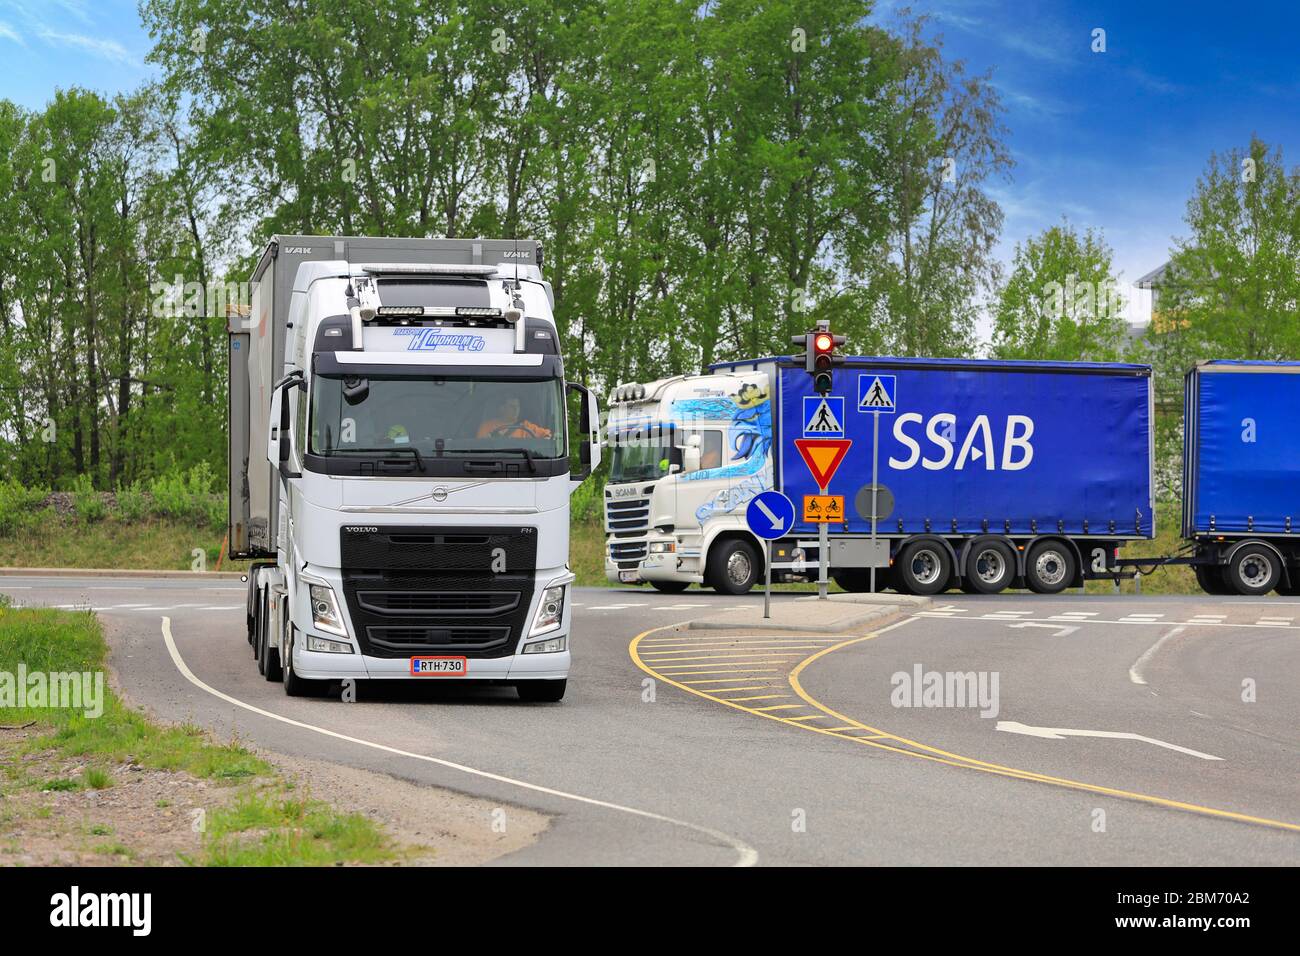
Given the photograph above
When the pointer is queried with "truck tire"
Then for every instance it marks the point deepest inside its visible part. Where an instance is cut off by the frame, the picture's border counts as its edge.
(1210, 578)
(670, 587)
(923, 568)
(269, 663)
(990, 566)
(541, 691)
(259, 636)
(1049, 569)
(733, 566)
(295, 686)
(1253, 570)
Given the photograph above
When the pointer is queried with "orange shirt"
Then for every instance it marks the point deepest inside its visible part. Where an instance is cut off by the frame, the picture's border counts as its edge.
(499, 428)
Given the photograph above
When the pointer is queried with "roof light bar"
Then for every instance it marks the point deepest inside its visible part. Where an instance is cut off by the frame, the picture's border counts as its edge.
(427, 268)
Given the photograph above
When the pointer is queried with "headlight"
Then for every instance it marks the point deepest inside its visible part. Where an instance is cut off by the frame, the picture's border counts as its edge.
(325, 610)
(663, 547)
(552, 646)
(550, 611)
(326, 646)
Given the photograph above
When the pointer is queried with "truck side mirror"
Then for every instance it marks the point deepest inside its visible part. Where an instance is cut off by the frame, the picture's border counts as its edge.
(691, 455)
(283, 431)
(589, 445)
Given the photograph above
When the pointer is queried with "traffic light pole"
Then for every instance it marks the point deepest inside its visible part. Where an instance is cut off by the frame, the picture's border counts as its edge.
(823, 553)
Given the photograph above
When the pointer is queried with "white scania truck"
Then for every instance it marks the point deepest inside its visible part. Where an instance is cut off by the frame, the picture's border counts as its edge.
(400, 463)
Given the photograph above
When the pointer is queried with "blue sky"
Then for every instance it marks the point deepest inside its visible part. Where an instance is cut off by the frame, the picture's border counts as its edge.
(1114, 140)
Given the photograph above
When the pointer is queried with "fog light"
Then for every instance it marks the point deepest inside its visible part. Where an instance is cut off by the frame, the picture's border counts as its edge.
(325, 610)
(550, 611)
(552, 646)
(325, 646)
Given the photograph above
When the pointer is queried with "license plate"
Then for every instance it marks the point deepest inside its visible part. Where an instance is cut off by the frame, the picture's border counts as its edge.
(628, 577)
(439, 666)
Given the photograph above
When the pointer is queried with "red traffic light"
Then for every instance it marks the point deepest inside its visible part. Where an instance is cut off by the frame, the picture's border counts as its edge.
(823, 342)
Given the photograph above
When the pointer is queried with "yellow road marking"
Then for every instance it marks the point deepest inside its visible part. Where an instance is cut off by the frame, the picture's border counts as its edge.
(725, 680)
(808, 717)
(674, 658)
(759, 697)
(780, 707)
(924, 751)
(763, 670)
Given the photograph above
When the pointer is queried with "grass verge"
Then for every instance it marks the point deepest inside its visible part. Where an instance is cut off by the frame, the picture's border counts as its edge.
(63, 762)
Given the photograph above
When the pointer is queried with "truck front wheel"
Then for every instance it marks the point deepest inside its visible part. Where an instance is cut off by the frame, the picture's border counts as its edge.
(733, 566)
(1253, 570)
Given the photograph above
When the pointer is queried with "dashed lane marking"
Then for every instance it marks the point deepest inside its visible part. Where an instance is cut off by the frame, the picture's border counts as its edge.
(860, 733)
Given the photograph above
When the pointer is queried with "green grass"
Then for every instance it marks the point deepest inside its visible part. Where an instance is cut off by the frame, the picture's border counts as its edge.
(57, 541)
(265, 824)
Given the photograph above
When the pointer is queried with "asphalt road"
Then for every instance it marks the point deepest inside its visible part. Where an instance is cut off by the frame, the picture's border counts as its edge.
(1126, 730)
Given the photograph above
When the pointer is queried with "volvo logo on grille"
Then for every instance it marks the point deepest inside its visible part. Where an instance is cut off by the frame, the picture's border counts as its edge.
(438, 494)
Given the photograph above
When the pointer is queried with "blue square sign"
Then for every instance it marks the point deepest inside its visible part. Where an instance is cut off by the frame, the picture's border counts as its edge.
(823, 416)
(877, 393)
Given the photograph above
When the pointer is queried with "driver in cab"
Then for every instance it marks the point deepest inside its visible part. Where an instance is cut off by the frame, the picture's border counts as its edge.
(507, 423)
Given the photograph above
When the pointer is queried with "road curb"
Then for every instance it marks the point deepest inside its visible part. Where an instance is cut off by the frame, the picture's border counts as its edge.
(116, 573)
(786, 617)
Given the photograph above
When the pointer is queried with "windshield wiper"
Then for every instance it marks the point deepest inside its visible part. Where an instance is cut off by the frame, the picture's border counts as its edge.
(419, 460)
(526, 452)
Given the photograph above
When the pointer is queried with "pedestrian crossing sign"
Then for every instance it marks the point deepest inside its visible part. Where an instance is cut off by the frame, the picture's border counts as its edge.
(877, 393)
(823, 416)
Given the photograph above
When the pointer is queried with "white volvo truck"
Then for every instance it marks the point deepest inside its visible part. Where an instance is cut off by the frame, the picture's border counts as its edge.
(400, 464)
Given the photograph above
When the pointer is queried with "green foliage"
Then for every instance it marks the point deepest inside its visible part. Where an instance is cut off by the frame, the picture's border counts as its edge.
(87, 501)
(1061, 300)
(188, 496)
(20, 506)
(132, 503)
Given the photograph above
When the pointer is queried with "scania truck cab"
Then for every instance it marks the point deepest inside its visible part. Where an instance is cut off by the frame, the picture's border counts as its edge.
(688, 453)
(400, 464)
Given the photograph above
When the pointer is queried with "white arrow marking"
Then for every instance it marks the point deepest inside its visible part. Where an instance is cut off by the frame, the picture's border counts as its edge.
(776, 522)
(1060, 733)
(1060, 629)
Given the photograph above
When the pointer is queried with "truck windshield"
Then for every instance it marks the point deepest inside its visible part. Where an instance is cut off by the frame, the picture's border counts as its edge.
(452, 417)
(638, 461)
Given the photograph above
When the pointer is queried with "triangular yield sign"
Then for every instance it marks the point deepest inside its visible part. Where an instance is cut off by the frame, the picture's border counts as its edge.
(823, 456)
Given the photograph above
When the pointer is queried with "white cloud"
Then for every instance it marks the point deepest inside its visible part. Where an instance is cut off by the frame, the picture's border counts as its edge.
(106, 49)
(9, 33)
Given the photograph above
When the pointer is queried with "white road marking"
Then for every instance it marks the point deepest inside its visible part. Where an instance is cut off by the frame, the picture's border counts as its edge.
(1060, 733)
(1135, 672)
(1060, 629)
(746, 854)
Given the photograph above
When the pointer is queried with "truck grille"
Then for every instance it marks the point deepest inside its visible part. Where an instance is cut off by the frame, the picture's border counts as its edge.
(627, 514)
(463, 591)
(631, 551)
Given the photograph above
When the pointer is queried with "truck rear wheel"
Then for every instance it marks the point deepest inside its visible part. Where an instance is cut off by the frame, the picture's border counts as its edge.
(1210, 578)
(541, 691)
(990, 566)
(1253, 570)
(923, 568)
(733, 566)
(670, 587)
(1049, 569)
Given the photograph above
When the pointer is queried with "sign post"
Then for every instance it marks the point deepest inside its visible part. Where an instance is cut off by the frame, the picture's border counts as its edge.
(823, 456)
(770, 515)
(877, 394)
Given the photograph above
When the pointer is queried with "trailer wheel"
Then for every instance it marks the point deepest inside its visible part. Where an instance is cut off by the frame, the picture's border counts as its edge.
(1049, 569)
(990, 567)
(670, 587)
(541, 691)
(1210, 578)
(923, 568)
(733, 566)
(1253, 570)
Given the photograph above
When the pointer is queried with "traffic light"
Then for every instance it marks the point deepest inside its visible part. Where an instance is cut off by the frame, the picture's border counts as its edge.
(819, 355)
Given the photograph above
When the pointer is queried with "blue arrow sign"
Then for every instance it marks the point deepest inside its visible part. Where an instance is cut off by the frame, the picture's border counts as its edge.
(770, 515)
